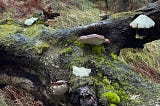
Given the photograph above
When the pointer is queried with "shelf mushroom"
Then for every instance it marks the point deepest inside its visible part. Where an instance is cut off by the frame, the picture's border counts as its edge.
(30, 21)
(142, 22)
(93, 39)
(58, 88)
(81, 71)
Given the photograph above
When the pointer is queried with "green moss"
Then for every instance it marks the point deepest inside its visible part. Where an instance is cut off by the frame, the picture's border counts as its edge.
(99, 59)
(96, 81)
(78, 61)
(8, 29)
(98, 49)
(111, 97)
(33, 30)
(76, 43)
(67, 50)
(124, 96)
(105, 81)
(112, 105)
(10, 21)
(41, 48)
(114, 56)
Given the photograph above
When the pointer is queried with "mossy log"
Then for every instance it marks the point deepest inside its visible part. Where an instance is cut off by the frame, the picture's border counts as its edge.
(48, 57)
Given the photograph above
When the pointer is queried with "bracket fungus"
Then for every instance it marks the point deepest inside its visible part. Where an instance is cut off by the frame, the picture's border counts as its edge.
(30, 21)
(142, 22)
(58, 88)
(93, 39)
(81, 71)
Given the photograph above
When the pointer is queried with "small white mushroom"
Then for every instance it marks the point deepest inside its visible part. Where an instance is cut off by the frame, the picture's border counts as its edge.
(93, 39)
(81, 71)
(59, 88)
(142, 22)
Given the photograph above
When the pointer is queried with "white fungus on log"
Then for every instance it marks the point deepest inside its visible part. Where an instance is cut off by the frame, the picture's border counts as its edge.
(93, 39)
(142, 21)
(81, 71)
(30, 21)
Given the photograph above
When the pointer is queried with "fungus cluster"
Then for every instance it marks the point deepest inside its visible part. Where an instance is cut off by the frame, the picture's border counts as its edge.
(58, 88)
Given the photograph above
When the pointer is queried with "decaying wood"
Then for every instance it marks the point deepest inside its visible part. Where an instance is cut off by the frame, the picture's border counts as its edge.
(25, 64)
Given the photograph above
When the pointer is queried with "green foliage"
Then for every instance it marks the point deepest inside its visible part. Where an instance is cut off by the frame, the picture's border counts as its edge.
(111, 97)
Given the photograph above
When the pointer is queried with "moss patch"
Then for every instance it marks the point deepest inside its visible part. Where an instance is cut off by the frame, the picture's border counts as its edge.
(41, 47)
(67, 50)
(114, 56)
(33, 30)
(8, 29)
(111, 97)
(98, 49)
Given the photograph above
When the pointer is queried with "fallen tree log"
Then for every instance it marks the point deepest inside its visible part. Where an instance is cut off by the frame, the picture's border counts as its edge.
(47, 57)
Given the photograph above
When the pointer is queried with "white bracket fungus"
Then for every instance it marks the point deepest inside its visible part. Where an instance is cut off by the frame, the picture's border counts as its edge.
(30, 21)
(81, 71)
(93, 39)
(142, 21)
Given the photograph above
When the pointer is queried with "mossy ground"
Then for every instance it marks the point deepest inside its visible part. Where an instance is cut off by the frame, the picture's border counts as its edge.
(72, 12)
(2, 101)
(144, 60)
(75, 13)
(124, 15)
(8, 29)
